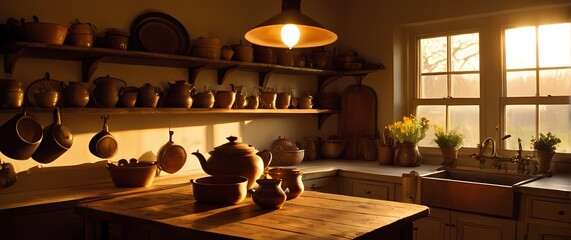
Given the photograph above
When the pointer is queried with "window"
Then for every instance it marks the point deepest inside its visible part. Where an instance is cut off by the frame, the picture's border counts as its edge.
(448, 86)
(537, 83)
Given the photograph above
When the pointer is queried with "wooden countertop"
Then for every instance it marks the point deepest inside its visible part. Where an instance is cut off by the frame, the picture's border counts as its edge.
(313, 215)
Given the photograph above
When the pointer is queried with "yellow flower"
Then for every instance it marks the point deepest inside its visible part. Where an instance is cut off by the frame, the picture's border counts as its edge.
(409, 129)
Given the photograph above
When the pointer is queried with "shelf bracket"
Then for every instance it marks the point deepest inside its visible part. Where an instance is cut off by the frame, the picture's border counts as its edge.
(323, 81)
(263, 78)
(88, 67)
(10, 60)
(223, 73)
(321, 119)
(193, 73)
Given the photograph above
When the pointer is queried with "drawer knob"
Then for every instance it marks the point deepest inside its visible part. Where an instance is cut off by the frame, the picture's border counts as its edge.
(368, 192)
(561, 213)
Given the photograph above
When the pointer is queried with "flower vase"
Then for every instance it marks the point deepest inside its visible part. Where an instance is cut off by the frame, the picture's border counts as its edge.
(544, 160)
(449, 156)
(408, 155)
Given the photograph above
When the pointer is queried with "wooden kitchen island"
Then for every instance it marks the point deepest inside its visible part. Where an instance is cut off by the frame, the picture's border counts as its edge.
(172, 213)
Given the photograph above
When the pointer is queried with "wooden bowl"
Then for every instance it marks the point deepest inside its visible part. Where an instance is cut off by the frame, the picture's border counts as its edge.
(133, 174)
(220, 189)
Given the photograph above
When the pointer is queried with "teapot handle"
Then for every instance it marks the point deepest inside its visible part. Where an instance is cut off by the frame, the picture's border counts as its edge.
(266, 156)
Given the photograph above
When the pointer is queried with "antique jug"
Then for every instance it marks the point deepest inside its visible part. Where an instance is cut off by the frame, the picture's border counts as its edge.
(178, 94)
(292, 183)
(269, 194)
(148, 96)
(75, 94)
(235, 158)
(106, 91)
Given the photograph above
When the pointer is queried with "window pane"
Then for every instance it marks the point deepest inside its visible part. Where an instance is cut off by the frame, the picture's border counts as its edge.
(465, 85)
(433, 86)
(433, 55)
(466, 119)
(557, 120)
(555, 82)
(465, 52)
(520, 123)
(437, 116)
(520, 47)
(520, 84)
(554, 45)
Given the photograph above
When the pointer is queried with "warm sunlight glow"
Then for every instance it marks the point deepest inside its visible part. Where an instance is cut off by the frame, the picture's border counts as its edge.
(290, 35)
(555, 45)
(520, 48)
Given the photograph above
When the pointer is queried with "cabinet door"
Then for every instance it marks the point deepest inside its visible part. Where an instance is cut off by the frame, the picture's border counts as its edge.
(466, 226)
(433, 227)
(370, 189)
(325, 184)
(549, 232)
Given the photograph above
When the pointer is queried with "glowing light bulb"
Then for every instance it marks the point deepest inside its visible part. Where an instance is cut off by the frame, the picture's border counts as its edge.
(290, 35)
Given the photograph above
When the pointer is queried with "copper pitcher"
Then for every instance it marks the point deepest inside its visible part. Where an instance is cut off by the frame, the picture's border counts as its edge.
(107, 89)
(178, 94)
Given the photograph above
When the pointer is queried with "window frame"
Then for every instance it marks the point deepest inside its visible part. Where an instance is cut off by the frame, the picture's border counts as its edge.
(490, 28)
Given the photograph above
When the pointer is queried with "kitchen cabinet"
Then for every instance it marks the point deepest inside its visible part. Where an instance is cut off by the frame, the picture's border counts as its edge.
(369, 189)
(328, 184)
(548, 218)
(444, 224)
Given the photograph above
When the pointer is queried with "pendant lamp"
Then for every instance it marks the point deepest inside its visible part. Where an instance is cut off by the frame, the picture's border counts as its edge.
(289, 29)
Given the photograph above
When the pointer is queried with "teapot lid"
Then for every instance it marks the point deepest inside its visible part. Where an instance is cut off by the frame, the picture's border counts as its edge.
(234, 147)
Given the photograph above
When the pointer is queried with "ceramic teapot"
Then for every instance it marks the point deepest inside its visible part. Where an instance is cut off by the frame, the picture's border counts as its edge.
(107, 89)
(178, 94)
(235, 158)
(75, 94)
(148, 96)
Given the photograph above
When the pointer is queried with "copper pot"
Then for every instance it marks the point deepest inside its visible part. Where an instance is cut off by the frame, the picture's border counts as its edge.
(103, 144)
(128, 97)
(148, 96)
(49, 33)
(171, 157)
(224, 99)
(203, 100)
(21, 136)
(268, 100)
(57, 139)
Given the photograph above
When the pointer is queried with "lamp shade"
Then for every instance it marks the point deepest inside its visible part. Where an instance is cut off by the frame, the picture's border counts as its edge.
(312, 34)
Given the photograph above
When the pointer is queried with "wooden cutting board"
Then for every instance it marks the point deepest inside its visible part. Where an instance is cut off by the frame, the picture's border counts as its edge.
(358, 117)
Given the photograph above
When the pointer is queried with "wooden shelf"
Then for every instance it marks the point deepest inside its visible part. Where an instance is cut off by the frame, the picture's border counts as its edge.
(90, 58)
(322, 114)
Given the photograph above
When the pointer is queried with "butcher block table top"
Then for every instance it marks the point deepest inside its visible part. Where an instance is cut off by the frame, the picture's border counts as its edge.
(172, 213)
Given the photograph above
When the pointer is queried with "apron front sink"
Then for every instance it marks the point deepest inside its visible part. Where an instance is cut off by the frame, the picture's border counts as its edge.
(478, 192)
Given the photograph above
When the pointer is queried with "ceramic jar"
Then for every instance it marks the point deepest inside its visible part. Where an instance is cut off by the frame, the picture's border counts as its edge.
(253, 102)
(224, 99)
(292, 183)
(11, 93)
(408, 155)
(203, 100)
(128, 97)
(268, 100)
(75, 94)
(270, 194)
(46, 95)
(148, 96)
(81, 35)
(178, 94)
(283, 100)
(243, 52)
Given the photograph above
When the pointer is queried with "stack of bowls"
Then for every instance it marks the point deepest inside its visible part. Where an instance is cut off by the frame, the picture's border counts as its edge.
(285, 153)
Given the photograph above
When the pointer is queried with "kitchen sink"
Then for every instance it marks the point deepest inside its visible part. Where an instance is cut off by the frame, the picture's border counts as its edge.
(472, 191)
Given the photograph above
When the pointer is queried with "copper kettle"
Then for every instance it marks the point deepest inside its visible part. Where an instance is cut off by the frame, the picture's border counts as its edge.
(235, 158)
(107, 89)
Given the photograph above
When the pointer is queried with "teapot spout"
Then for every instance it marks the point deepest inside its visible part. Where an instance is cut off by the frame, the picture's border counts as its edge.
(266, 156)
(202, 161)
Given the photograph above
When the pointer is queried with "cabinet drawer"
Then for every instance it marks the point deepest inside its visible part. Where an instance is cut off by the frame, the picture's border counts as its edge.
(371, 191)
(551, 210)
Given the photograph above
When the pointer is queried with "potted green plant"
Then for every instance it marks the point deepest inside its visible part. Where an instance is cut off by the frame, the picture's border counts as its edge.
(544, 146)
(449, 143)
